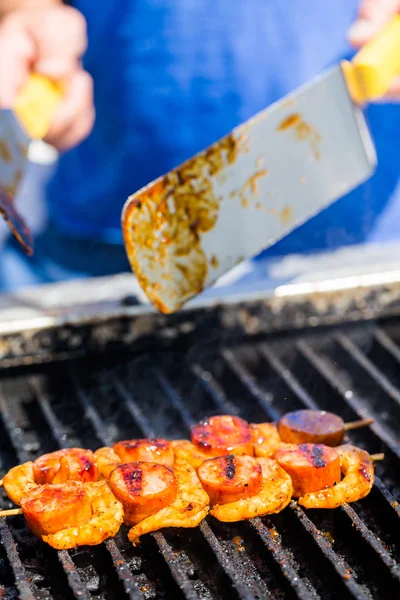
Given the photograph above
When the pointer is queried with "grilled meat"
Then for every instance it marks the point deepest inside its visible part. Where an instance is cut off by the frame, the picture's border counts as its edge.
(312, 467)
(223, 435)
(358, 471)
(274, 496)
(311, 426)
(230, 478)
(189, 508)
(143, 488)
(105, 519)
(50, 508)
(147, 450)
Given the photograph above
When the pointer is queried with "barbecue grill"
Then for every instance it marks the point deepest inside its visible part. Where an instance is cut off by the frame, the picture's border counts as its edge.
(101, 367)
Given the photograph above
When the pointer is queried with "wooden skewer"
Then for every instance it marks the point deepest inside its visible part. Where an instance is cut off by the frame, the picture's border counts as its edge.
(11, 512)
(358, 424)
(376, 457)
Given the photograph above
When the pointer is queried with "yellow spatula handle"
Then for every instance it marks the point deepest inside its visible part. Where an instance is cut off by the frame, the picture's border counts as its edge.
(36, 104)
(373, 69)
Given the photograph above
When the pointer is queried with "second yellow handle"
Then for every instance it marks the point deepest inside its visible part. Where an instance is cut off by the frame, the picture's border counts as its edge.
(36, 105)
(373, 69)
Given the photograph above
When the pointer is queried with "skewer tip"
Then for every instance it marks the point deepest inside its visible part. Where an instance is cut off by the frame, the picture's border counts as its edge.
(377, 457)
(357, 424)
(11, 512)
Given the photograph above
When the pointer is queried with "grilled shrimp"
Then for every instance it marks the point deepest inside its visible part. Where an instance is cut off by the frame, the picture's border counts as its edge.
(266, 439)
(107, 516)
(76, 464)
(107, 460)
(274, 496)
(18, 481)
(187, 453)
(358, 470)
(189, 508)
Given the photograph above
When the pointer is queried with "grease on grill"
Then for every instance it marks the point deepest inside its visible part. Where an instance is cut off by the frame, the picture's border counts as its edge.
(239, 543)
(163, 225)
(304, 132)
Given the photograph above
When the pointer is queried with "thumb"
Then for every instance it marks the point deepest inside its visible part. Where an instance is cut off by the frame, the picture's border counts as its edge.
(372, 15)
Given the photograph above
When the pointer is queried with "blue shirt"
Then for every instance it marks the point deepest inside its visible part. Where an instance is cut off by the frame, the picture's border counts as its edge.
(172, 76)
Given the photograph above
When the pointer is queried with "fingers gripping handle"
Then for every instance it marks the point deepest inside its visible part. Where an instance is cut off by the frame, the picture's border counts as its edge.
(374, 68)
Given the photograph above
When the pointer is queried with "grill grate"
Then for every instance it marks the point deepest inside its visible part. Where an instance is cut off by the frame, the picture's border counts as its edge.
(351, 552)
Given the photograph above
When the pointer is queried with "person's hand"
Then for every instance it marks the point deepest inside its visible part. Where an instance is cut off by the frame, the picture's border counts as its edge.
(372, 15)
(50, 41)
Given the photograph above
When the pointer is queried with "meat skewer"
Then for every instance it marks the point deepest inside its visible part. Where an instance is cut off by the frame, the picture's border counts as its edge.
(143, 488)
(216, 436)
(269, 487)
(302, 427)
(75, 464)
(11, 512)
(315, 427)
(71, 514)
(358, 471)
(312, 467)
(189, 507)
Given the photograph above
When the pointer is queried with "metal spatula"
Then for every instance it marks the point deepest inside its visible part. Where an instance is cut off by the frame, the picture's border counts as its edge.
(30, 119)
(269, 175)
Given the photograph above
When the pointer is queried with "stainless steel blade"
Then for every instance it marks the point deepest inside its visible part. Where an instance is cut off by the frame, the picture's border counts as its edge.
(247, 191)
(14, 144)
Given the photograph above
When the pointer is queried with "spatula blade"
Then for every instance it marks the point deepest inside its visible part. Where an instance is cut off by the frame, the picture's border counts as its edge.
(247, 191)
(14, 144)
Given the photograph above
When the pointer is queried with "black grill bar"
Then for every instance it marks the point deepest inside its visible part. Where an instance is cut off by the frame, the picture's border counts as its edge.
(74, 580)
(246, 378)
(235, 576)
(282, 371)
(335, 560)
(16, 437)
(118, 561)
(19, 573)
(347, 344)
